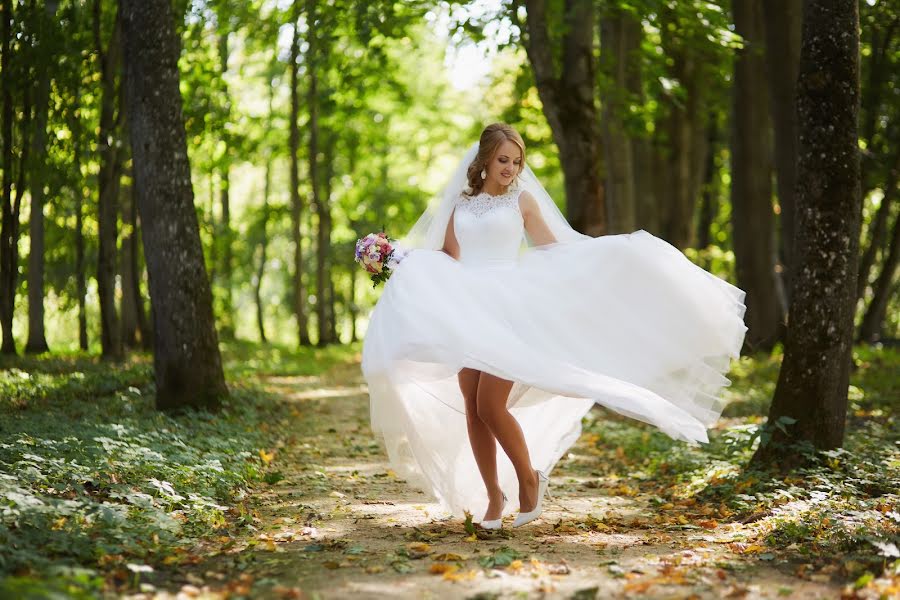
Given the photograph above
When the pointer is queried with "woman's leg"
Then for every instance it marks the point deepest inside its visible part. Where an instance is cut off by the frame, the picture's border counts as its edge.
(493, 393)
(484, 446)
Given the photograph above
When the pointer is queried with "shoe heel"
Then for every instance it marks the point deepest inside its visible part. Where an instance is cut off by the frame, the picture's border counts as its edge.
(495, 523)
(544, 479)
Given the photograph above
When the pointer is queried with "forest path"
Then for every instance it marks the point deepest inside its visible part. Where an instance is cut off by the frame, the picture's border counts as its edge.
(341, 525)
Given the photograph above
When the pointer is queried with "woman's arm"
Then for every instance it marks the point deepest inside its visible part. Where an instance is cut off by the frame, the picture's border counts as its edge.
(451, 245)
(535, 226)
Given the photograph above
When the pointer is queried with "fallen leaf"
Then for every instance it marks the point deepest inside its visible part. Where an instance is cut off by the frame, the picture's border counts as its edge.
(449, 556)
(441, 568)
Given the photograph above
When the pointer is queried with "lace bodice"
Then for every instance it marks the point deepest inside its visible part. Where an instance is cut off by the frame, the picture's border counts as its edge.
(489, 228)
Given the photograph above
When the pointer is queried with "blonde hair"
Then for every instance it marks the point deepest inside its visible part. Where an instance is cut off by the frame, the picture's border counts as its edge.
(491, 139)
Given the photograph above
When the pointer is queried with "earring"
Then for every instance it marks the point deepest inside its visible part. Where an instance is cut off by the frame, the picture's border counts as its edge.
(483, 174)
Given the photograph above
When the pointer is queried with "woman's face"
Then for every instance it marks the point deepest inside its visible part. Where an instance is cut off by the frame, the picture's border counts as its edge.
(506, 163)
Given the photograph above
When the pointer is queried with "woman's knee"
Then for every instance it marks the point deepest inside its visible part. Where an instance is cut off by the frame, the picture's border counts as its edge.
(488, 408)
(468, 385)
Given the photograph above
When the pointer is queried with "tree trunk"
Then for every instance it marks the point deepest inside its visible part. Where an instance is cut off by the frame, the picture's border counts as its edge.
(569, 105)
(324, 284)
(354, 310)
(37, 339)
(620, 39)
(188, 366)
(871, 113)
(751, 183)
(782, 22)
(296, 202)
(709, 203)
(873, 320)
(9, 231)
(685, 133)
(263, 249)
(78, 192)
(812, 384)
(680, 140)
(331, 315)
(226, 319)
(7, 249)
(109, 180)
(315, 196)
(131, 299)
(878, 229)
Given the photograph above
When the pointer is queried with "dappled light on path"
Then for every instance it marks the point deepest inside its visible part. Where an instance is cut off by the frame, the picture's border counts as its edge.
(341, 524)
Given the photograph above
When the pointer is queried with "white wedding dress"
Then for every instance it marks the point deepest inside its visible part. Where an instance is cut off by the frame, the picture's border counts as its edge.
(624, 321)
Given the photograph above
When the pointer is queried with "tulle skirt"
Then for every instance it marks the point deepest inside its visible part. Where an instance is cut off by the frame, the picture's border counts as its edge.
(624, 321)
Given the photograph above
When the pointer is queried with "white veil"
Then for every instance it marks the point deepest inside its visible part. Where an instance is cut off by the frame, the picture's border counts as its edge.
(428, 232)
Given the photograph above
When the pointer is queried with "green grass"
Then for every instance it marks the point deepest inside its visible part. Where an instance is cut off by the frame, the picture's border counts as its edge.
(843, 507)
(96, 485)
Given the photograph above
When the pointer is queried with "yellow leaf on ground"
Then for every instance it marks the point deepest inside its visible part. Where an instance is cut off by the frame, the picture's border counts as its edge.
(449, 556)
(442, 568)
(460, 575)
(418, 549)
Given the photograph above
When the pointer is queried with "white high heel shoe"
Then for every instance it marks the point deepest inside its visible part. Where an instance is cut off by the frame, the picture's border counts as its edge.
(543, 487)
(495, 523)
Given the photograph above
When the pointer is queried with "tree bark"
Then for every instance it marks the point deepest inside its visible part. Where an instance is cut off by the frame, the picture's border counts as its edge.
(7, 228)
(680, 146)
(709, 203)
(782, 22)
(814, 377)
(315, 196)
(878, 228)
(78, 192)
(324, 282)
(296, 201)
(263, 250)
(226, 319)
(879, 65)
(620, 39)
(37, 339)
(873, 320)
(188, 366)
(109, 180)
(751, 183)
(353, 307)
(569, 105)
(134, 322)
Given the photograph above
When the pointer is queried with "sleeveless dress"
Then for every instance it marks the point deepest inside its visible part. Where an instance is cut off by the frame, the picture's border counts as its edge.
(623, 321)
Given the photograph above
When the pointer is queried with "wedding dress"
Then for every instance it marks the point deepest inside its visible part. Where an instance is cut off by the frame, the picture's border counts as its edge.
(623, 321)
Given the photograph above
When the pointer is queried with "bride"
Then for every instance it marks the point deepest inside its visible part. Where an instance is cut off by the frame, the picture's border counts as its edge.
(504, 325)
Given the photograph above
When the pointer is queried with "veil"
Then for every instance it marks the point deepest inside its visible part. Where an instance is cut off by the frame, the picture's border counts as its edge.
(428, 232)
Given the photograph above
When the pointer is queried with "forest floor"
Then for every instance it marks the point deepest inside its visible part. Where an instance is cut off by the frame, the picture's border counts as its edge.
(634, 514)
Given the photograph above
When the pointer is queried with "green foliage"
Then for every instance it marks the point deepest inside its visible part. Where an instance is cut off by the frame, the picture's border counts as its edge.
(94, 481)
(501, 557)
(843, 504)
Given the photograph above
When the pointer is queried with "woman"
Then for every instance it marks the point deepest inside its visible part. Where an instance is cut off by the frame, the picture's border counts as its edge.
(505, 326)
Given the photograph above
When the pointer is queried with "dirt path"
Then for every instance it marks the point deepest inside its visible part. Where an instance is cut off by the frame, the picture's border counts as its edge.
(341, 525)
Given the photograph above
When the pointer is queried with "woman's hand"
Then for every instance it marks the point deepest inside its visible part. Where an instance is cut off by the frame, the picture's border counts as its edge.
(535, 226)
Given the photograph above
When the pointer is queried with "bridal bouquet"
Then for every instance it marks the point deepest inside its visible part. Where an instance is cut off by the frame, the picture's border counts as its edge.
(378, 256)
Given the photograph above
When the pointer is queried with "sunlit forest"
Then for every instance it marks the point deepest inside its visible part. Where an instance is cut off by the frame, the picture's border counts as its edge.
(182, 412)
